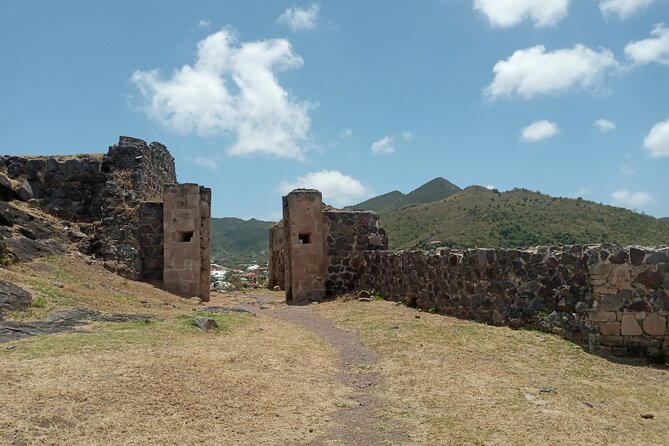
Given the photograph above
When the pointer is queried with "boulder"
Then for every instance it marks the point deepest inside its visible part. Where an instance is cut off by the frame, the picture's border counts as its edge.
(13, 298)
(25, 192)
(205, 323)
(6, 190)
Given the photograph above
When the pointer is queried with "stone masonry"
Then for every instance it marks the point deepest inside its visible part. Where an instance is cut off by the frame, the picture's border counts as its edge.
(186, 220)
(314, 249)
(115, 198)
(609, 299)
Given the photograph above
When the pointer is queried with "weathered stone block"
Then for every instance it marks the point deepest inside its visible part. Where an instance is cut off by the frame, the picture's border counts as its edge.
(620, 276)
(610, 303)
(609, 328)
(602, 316)
(637, 255)
(655, 325)
(606, 290)
(629, 326)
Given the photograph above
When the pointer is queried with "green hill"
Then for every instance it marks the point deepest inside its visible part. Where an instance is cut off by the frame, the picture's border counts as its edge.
(382, 203)
(665, 219)
(480, 217)
(235, 241)
(434, 190)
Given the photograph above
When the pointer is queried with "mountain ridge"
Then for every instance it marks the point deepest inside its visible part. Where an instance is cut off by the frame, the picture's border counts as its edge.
(436, 189)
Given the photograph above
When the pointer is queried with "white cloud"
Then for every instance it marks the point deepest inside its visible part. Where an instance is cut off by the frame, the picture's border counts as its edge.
(633, 200)
(204, 24)
(534, 71)
(408, 135)
(383, 146)
(657, 140)
(654, 49)
(337, 188)
(490, 187)
(507, 13)
(208, 162)
(622, 8)
(604, 125)
(262, 115)
(539, 130)
(298, 19)
(346, 133)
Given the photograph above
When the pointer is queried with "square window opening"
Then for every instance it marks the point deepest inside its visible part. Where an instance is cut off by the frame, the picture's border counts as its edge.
(304, 239)
(184, 236)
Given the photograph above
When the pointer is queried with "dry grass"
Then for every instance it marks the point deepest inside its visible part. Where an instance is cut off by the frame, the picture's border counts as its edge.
(254, 381)
(87, 284)
(258, 380)
(469, 383)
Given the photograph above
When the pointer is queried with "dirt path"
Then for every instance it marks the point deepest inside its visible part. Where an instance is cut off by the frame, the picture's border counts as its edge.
(365, 420)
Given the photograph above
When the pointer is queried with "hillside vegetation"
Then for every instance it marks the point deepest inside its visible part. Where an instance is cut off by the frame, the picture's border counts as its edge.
(432, 191)
(439, 213)
(235, 241)
(518, 218)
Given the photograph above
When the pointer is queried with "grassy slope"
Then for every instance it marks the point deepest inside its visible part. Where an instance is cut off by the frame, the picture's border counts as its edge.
(234, 240)
(162, 382)
(434, 190)
(382, 203)
(479, 217)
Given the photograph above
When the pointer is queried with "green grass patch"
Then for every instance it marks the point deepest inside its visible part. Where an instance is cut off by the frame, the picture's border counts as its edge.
(112, 336)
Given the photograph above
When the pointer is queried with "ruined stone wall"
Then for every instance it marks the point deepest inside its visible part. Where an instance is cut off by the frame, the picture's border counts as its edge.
(276, 257)
(187, 239)
(151, 236)
(136, 172)
(304, 234)
(606, 298)
(205, 242)
(106, 191)
(70, 187)
(349, 233)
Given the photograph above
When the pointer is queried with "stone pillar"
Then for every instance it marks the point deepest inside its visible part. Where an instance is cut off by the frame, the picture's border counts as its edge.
(276, 257)
(305, 245)
(186, 232)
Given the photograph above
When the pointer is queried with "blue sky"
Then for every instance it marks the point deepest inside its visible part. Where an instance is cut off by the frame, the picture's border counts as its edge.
(357, 98)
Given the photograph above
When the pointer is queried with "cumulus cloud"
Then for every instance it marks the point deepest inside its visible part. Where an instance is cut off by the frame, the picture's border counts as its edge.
(204, 24)
(337, 188)
(299, 19)
(198, 98)
(654, 49)
(633, 200)
(383, 146)
(656, 142)
(538, 131)
(535, 71)
(208, 162)
(507, 13)
(604, 125)
(408, 135)
(622, 8)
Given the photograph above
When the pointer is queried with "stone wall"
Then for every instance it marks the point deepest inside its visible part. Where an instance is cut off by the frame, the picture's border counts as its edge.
(116, 198)
(606, 298)
(151, 239)
(277, 254)
(186, 211)
(349, 233)
(70, 187)
(304, 234)
(135, 173)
